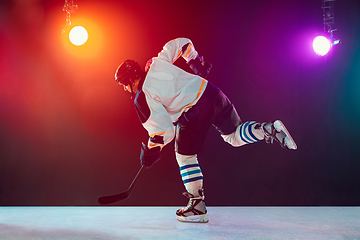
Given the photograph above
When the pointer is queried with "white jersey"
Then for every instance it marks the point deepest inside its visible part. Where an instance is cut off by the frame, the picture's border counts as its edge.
(169, 90)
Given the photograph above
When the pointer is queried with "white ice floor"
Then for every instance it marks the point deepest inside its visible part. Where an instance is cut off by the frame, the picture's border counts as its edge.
(160, 223)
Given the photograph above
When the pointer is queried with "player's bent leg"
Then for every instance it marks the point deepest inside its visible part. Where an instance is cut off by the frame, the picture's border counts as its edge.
(245, 133)
(250, 132)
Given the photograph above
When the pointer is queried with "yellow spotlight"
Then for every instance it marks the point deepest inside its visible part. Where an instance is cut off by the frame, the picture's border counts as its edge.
(78, 35)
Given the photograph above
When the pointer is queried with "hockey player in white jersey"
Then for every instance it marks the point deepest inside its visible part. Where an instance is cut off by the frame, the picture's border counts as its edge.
(171, 102)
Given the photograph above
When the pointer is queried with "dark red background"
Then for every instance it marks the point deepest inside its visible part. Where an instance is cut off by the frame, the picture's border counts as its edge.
(68, 133)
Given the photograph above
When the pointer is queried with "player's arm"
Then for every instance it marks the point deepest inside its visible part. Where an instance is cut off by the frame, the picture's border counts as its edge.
(161, 131)
(195, 61)
(183, 47)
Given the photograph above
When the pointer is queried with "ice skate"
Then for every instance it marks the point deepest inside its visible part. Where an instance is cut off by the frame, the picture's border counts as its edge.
(195, 211)
(277, 131)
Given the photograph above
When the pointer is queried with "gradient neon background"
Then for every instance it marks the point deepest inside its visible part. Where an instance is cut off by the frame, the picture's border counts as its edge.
(68, 133)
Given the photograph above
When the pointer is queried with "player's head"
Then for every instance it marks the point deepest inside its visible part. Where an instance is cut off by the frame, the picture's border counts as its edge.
(128, 75)
(128, 72)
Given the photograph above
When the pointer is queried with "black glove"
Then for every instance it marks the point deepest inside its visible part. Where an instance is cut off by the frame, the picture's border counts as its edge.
(148, 157)
(200, 67)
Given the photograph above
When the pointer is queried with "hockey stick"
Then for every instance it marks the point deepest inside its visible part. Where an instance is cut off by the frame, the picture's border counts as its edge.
(120, 196)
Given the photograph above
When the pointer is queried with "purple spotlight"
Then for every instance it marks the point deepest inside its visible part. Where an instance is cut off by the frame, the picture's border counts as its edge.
(321, 45)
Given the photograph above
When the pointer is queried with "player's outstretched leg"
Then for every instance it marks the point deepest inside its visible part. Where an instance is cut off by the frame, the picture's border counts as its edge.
(251, 132)
(195, 211)
(276, 131)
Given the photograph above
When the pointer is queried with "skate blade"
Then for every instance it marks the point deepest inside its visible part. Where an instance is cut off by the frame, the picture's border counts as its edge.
(194, 218)
(281, 127)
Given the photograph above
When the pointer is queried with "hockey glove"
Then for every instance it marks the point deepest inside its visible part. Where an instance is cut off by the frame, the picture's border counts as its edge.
(149, 156)
(200, 67)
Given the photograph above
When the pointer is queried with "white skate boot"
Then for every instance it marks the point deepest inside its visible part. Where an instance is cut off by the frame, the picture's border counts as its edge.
(277, 131)
(195, 211)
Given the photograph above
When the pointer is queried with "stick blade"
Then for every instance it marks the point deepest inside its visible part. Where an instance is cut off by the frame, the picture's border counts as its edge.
(113, 198)
(120, 196)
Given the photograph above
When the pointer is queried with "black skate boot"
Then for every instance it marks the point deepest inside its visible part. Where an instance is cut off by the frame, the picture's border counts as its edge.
(277, 131)
(195, 211)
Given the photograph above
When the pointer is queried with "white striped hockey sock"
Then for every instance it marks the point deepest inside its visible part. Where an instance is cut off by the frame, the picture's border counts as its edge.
(249, 134)
(191, 173)
(245, 133)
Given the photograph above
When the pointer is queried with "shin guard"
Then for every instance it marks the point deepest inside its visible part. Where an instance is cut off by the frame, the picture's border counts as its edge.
(191, 174)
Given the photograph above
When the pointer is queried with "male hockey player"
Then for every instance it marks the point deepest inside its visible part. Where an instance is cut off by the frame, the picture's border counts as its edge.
(171, 102)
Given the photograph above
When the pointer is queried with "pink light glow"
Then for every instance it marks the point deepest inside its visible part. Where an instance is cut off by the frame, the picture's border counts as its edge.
(321, 45)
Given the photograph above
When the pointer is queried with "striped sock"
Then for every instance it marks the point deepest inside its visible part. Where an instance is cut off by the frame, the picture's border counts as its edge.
(245, 133)
(191, 173)
(249, 134)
